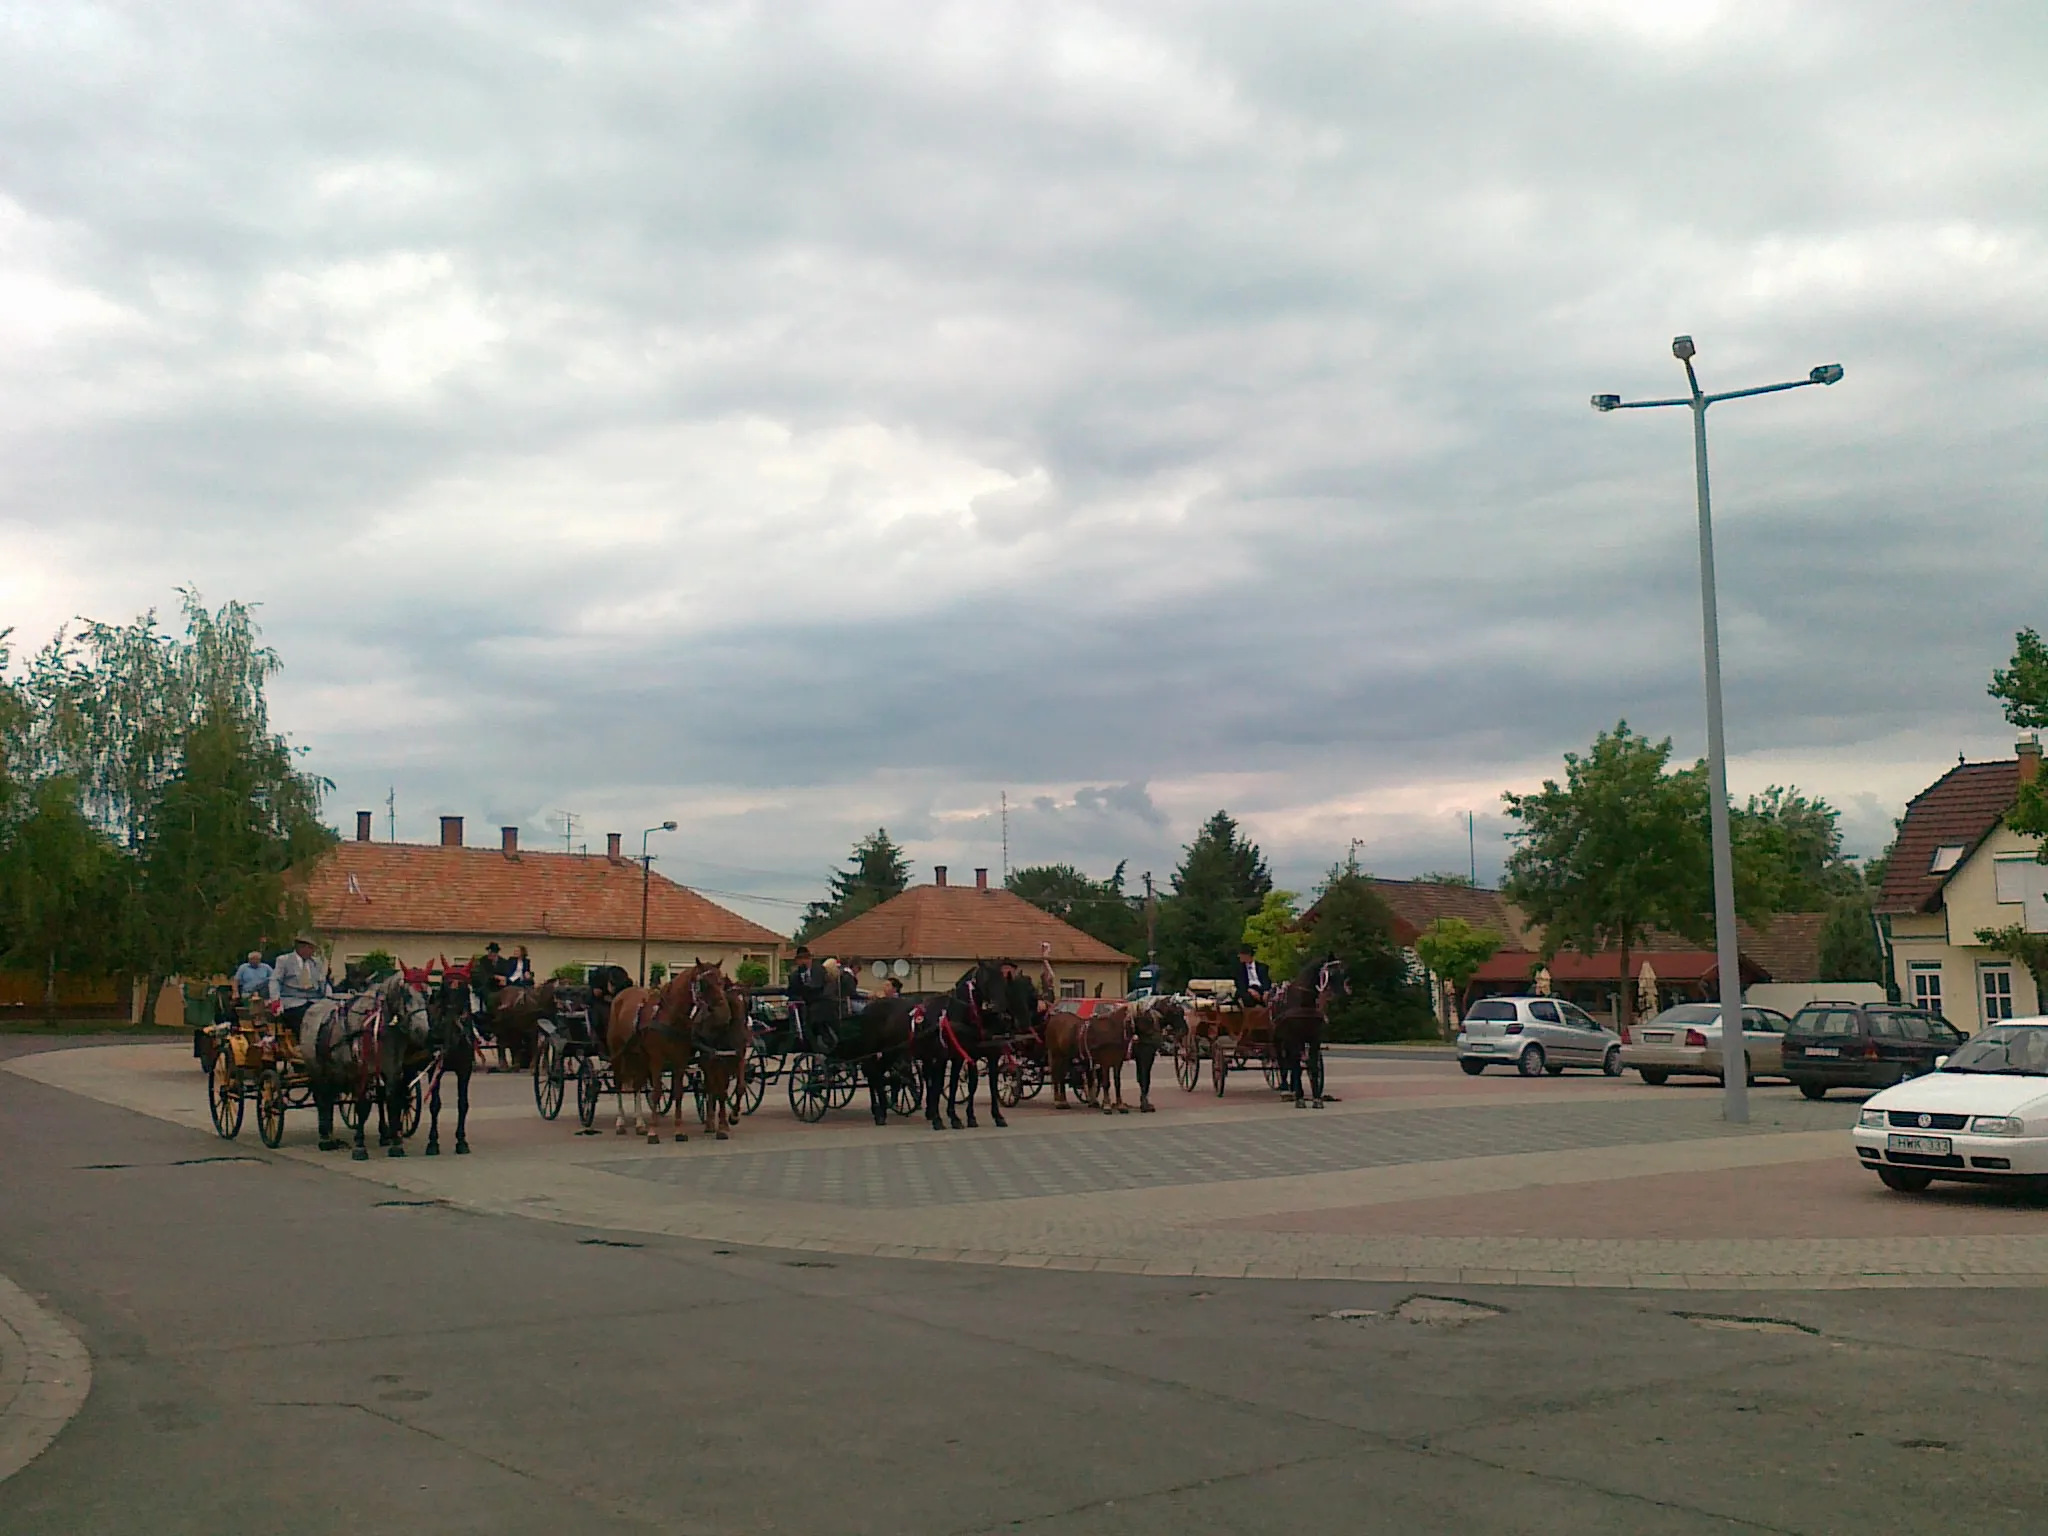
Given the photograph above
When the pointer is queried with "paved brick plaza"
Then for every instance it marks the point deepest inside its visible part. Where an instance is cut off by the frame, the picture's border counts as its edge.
(1419, 1173)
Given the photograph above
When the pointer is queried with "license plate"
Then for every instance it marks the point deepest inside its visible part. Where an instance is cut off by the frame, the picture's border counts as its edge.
(1660, 1038)
(1937, 1146)
(1477, 1046)
(1823, 1050)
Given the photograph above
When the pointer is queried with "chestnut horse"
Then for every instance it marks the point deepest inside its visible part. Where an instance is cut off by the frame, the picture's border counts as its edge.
(1100, 1044)
(715, 1013)
(634, 1044)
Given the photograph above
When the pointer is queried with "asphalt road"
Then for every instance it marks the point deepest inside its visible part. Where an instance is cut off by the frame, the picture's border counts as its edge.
(279, 1350)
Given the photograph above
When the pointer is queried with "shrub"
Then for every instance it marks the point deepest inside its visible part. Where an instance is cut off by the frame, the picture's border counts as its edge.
(751, 973)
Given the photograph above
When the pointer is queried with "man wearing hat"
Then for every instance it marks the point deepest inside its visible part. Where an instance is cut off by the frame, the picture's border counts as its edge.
(1254, 981)
(297, 981)
(806, 987)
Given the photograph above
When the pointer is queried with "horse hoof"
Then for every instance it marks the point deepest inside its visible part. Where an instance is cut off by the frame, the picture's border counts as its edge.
(725, 1136)
(654, 1138)
(999, 1122)
(433, 1149)
(1147, 1109)
(462, 1149)
(1301, 1104)
(618, 1130)
(682, 1135)
(359, 1156)
(394, 1150)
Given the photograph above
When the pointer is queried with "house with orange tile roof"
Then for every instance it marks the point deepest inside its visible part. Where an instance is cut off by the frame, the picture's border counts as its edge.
(931, 934)
(422, 901)
(1957, 868)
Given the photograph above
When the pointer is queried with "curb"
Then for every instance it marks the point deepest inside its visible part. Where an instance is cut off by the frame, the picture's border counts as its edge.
(45, 1374)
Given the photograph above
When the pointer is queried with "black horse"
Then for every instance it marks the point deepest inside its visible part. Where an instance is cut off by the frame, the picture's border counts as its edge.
(1299, 1013)
(452, 1047)
(365, 1048)
(876, 1040)
(955, 1033)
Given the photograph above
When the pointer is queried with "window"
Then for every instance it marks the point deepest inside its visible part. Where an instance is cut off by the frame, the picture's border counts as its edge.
(1578, 1017)
(1545, 1011)
(1927, 987)
(1995, 984)
(1073, 988)
(1491, 1010)
(1946, 858)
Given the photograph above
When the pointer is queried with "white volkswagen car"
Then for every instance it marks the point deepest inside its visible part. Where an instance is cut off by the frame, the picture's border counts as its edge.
(1981, 1117)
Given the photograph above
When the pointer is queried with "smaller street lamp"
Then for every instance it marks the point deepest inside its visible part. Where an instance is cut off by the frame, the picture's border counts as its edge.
(646, 879)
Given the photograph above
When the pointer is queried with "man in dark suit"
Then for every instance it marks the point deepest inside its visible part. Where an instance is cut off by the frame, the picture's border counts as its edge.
(1254, 981)
(806, 987)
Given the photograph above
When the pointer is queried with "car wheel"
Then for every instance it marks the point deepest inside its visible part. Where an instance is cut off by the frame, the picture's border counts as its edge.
(1611, 1062)
(1905, 1180)
(1531, 1063)
(1656, 1077)
(1814, 1090)
(1554, 1070)
(1472, 1068)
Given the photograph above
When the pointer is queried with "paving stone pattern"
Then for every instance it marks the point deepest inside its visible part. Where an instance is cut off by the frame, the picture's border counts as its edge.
(966, 1167)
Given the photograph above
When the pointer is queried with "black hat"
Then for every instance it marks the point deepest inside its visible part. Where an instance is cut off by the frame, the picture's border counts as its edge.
(491, 948)
(803, 949)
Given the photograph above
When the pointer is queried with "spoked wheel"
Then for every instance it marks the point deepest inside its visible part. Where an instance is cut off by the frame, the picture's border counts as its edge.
(1032, 1082)
(1009, 1082)
(548, 1079)
(588, 1092)
(1269, 1067)
(840, 1080)
(224, 1095)
(270, 1107)
(409, 1117)
(351, 1113)
(753, 1089)
(810, 1088)
(906, 1097)
(661, 1096)
(1219, 1062)
(1187, 1061)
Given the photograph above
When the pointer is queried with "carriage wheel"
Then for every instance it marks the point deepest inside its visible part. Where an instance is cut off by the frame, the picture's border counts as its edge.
(1220, 1051)
(351, 1112)
(588, 1092)
(1270, 1066)
(409, 1117)
(906, 1097)
(548, 1079)
(755, 1087)
(270, 1107)
(841, 1080)
(809, 1088)
(1009, 1082)
(1187, 1061)
(224, 1095)
(1034, 1079)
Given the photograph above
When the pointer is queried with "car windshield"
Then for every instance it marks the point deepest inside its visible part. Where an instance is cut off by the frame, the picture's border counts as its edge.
(1690, 1013)
(2007, 1050)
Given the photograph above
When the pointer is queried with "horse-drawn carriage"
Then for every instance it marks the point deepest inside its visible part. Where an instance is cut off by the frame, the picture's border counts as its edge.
(256, 1056)
(1231, 1039)
(805, 1054)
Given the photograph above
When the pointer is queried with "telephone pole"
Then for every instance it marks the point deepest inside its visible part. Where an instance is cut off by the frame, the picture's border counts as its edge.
(1151, 922)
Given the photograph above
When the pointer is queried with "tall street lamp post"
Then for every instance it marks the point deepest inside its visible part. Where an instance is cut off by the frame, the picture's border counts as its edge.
(646, 878)
(1735, 1084)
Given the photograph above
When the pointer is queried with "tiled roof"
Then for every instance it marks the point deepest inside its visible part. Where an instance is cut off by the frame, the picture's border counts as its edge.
(1959, 809)
(962, 922)
(1788, 946)
(1418, 903)
(1568, 965)
(421, 888)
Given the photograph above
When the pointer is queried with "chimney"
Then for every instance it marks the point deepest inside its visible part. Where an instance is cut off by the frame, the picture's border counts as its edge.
(451, 831)
(611, 846)
(509, 837)
(2030, 759)
(938, 874)
(981, 879)
(362, 826)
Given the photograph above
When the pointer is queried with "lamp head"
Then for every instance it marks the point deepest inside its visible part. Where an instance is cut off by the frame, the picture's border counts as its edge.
(1682, 348)
(1607, 402)
(1826, 373)
(668, 826)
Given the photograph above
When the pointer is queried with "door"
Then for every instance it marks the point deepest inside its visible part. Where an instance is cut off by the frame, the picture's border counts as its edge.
(1550, 1032)
(1763, 1037)
(1589, 1040)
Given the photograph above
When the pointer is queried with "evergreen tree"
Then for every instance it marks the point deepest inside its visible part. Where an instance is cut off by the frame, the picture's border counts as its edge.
(875, 871)
(1351, 921)
(1099, 908)
(1221, 881)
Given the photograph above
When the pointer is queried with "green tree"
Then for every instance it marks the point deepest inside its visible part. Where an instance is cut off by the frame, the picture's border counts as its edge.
(59, 887)
(1618, 850)
(1849, 950)
(1788, 852)
(2023, 689)
(751, 973)
(1351, 921)
(1276, 936)
(1099, 908)
(211, 877)
(1222, 880)
(1445, 877)
(876, 870)
(1454, 949)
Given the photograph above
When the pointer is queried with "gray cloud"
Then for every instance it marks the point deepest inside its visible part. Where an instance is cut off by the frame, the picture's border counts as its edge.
(820, 417)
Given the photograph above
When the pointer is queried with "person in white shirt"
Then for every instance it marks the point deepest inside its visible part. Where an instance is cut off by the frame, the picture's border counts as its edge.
(299, 979)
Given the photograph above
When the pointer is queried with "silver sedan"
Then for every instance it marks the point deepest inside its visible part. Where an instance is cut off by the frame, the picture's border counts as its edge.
(1685, 1041)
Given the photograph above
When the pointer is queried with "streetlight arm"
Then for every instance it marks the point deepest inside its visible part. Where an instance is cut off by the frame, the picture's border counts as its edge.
(1638, 405)
(1761, 389)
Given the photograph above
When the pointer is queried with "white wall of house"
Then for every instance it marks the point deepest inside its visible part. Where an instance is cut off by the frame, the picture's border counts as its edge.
(1936, 959)
(549, 953)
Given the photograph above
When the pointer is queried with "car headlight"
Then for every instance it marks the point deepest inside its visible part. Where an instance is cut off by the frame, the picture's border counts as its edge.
(1871, 1117)
(1996, 1125)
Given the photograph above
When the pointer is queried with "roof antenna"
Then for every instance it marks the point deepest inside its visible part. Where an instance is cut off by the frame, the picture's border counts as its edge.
(1006, 837)
(391, 811)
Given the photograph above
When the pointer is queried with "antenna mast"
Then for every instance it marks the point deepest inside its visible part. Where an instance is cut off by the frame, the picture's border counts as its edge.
(568, 830)
(391, 811)
(1006, 837)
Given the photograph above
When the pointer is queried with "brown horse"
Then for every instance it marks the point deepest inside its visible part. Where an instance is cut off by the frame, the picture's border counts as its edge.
(633, 1044)
(1064, 1035)
(718, 1038)
(1101, 1044)
(514, 1020)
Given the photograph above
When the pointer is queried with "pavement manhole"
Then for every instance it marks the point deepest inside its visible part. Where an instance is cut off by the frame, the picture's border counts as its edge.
(1921, 1445)
(1747, 1324)
(808, 1264)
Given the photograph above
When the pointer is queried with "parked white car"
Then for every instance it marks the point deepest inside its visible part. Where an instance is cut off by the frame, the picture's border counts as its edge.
(1981, 1117)
(1535, 1035)
(1685, 1041)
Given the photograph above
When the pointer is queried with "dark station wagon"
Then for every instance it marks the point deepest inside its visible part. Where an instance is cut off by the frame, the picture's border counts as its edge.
(1863, 1045)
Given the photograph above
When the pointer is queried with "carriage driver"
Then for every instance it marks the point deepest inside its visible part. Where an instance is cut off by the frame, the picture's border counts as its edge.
(299, 980)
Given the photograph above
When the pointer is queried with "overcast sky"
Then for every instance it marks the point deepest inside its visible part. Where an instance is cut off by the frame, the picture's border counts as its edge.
(793, 419)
